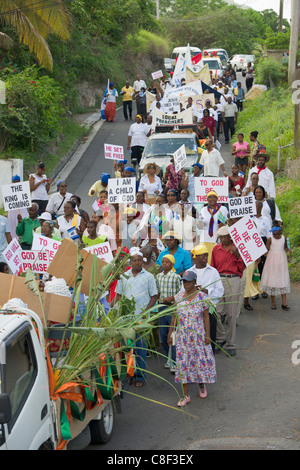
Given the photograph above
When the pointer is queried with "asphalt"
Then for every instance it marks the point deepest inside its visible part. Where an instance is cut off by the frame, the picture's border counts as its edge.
(255, 403)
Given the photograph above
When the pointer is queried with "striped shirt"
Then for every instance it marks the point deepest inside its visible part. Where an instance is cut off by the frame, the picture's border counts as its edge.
(168, 284)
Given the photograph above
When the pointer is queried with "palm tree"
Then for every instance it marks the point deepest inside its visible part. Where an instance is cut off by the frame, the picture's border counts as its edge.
(33, 21)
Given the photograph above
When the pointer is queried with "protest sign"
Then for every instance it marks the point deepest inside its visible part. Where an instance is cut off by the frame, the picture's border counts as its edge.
(180, 159)
(37, 261)
(102, 251)
(205, 184)
(16, 195)
(200, 101)
(121, 190)
(12, 256)
(202, 74)
(171, 105)
(42, 243)
(156, 75)
(241, 206)
(246, 238)
(161, 119)
(113, 152)
(194, 88)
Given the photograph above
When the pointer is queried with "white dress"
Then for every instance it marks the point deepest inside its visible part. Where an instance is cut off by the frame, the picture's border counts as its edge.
(150, 188)
(275, 278)
(64, 226)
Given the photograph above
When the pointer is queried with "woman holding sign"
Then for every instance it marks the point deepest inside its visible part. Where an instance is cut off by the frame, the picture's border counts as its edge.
(71, 225)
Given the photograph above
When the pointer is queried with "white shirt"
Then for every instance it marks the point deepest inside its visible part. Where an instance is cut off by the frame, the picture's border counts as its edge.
(211, 162)
(266, 212)
(194, 109)
(103, 229)
(138, 134)
(209, 278)
(205, 217)
(57, 200)
(263, 225)
(40, 193)
(214, 114)
(265, 179)
(186, 229)
(63, 225)
(112, 96)
(150, 188)
(138, 85)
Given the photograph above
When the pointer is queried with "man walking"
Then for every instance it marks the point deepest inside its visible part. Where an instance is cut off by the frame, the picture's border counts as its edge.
(139, 285)
(227, 261)
(239, 96)
(212, 160)
(230, 113)
(127, 93)
(137, 86)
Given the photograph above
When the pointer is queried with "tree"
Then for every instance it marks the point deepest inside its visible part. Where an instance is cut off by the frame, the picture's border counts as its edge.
(33, 22)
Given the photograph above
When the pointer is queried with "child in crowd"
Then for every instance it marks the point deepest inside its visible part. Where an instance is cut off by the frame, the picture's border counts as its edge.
(168, 285)
(92, 238)
(129, 228)
(119, 168)
(275, 276)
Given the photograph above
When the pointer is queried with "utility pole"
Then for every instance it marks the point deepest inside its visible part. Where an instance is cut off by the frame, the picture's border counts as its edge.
(157, 9)
(294, 39)
(280, 20)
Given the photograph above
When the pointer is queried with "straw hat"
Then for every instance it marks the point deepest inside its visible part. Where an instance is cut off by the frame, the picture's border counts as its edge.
(172, 234)
(157, 168)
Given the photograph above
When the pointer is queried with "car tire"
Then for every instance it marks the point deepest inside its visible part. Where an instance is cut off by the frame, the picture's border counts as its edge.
(102, 429)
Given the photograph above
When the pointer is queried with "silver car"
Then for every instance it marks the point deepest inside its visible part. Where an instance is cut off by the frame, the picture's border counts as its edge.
(237, 61)
(160, 147)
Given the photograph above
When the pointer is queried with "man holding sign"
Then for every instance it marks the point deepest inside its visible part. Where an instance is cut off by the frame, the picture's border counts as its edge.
(227, 261)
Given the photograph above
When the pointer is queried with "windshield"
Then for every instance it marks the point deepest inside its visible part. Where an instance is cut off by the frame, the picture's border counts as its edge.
(213, 64)
(157, 147)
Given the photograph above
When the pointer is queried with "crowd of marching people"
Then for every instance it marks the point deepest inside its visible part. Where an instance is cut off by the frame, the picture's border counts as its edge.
(181, 251)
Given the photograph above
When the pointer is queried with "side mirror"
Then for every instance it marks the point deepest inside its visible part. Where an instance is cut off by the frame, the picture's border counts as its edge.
(5, 408)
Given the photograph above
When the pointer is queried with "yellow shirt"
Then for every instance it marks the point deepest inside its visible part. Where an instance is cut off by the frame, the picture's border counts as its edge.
(97, 187)
(127, 93)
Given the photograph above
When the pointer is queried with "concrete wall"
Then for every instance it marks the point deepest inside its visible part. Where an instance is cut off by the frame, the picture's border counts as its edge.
(292, 168)
(8, 169)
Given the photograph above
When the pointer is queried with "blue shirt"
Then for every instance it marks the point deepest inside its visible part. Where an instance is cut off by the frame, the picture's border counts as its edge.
(182, 259)
(140, 288)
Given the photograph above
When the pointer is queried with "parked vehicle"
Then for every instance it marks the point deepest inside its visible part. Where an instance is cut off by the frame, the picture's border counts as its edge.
(221, 53)
(30, 418)
(215, 66)
(247, 59)
(238, 61)
(182, 50)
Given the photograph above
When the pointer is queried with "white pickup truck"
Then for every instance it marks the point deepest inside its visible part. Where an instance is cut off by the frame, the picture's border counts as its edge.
(29, 417)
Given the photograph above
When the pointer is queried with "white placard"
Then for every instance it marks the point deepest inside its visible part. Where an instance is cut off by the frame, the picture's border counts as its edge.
(180, 159)
(203, 185)
(194, 88)
(161, 119)
(113, 152)
(42, 243)
(241, 206)
(121, 190)
(37, 261)
(16, 195)
(171, 105)
(12, 256)
(156, 75)
(246, 238)
(102, 251)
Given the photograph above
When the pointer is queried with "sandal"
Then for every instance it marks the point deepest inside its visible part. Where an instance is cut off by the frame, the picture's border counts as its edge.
(202, 391)
(274, 307)
(184, 401)
(139, 384)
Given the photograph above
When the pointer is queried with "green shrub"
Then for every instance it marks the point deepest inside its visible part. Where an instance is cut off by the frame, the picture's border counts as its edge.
(145, 42)
(33, 110)
(270, 72)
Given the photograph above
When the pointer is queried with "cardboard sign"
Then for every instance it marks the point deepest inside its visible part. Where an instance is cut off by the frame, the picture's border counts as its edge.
(37, 261)
(16, 195)
(241, 206)
(42, 243)
(161, 119)
(113, 152)
(156, 75)
(180, 159)
(12, 256)
(102, 251)
(64, 265)
(198, 100)
(56, 307)
(121, 190)
(205, 184)
(246, 238)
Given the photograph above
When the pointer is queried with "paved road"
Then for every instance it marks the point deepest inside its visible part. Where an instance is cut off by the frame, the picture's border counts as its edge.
(254, 404)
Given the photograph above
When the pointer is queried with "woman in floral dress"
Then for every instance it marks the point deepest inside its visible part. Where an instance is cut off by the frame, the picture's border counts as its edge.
(194, 356)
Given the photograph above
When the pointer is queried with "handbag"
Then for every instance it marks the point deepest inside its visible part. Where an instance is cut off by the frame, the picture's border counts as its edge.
(256, 275)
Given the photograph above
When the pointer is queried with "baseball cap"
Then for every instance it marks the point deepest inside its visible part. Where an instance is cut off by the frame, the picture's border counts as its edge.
(189, 276)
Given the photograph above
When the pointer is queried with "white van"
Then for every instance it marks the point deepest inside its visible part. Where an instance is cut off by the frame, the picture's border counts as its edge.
(182, 50)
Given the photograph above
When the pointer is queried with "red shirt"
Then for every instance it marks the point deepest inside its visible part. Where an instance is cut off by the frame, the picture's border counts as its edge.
(211, 124)
(225, 262)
